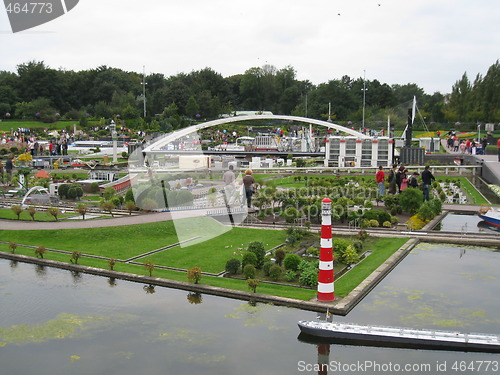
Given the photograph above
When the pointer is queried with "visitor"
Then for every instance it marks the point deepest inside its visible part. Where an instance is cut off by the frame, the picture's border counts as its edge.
(413, 182)
(391, 179)
(229, 188)
(248, 182)
(498, 146)
(404, 181)
(380, 178)
(399, 176)
(1, 171)
(484, 144)
(427, 179)
(8, 168)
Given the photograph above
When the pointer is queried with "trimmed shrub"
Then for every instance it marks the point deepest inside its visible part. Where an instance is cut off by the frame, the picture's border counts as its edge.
(275, 272)
(291, 262)
(233, 266)
(387, 224)
(279, 255)
(249, 271)
(249, 258)
(258, 249)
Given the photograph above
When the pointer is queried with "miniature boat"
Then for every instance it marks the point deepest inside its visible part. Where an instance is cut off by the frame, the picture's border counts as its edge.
(490, 215)
(397, 336)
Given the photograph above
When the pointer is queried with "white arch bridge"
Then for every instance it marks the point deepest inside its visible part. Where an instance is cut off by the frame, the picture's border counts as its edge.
(346, 150)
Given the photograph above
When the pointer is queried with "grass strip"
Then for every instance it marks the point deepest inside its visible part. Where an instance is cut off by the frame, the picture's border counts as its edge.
(381, 249)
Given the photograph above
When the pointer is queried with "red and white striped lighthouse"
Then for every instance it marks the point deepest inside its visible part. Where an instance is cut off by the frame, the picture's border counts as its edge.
(325, 274)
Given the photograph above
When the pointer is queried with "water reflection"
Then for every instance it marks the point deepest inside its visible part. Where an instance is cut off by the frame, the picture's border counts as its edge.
(112, 282)
(149, 289)
(195, 298)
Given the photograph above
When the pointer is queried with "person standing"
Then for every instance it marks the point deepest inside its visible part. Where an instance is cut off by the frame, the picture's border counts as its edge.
(391, 178)
(8, 168)
(413, 180)
(380, 178)
(229, 188)
(427, 178)
(498, 146)
(1, 171)
(404, 181)
(248, 182)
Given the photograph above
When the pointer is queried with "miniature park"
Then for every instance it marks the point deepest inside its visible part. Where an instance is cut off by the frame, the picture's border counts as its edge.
(273, 246)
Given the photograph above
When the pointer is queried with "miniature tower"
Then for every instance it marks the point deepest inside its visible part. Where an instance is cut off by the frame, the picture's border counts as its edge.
(325, 274)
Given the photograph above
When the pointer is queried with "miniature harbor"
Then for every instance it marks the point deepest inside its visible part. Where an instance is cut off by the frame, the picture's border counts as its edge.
(357, 334)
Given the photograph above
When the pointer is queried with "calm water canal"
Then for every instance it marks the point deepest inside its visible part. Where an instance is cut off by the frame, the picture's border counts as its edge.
(55, 322)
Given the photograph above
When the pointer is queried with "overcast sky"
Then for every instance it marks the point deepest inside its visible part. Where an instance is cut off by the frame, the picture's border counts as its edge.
(427, 42)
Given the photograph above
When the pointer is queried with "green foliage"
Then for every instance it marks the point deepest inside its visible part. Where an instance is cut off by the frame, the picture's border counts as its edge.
(149, 266)
(374, 223)
(249, 271)
(233, 266)
(290, 275)
(62, 190)
(387, 224)
(279, 255)
(12, 247)
(129, 196)
(309, 274)
(266, 267)
(108, 193)
(339, 247)
(17, 209)
(377, 214)
(258, 249)
(249, 258)
(75, 191)
(314, 251)
(40, 251)
(411, 199)
(94, 187)
(194, 274)
(253, 284)
(350, 255)
(275, 272)
(54, 212)
(291, 262)
(75, 255)
(290, 214)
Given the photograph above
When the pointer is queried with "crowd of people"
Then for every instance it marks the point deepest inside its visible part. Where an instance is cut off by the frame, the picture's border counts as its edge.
(400, 179)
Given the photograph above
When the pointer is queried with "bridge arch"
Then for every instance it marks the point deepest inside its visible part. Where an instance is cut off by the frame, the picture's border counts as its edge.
(159, 144)
(37, 189)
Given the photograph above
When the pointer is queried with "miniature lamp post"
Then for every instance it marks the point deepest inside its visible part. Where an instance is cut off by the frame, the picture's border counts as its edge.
(325, 273)
(114, 137)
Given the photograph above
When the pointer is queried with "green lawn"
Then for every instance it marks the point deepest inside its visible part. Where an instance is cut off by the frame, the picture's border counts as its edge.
(6, 213)
(381, 249)
(212, 255)
(6, 125)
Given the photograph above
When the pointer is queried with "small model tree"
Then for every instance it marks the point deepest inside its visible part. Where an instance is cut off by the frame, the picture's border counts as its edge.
(12, 247)
(40, 251)
(82, 209)
(75, 256)
(253, 284)
(32, 212)
(130, 206)
(149, 266)
(17, 209)
(54, 211)
(194, 274)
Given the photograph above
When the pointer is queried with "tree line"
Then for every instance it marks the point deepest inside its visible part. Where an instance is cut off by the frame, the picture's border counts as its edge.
(37, 91)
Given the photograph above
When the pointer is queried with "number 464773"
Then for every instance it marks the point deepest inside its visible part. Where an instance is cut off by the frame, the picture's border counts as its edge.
(29, 8)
